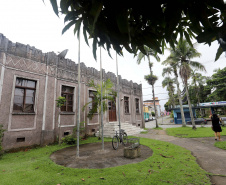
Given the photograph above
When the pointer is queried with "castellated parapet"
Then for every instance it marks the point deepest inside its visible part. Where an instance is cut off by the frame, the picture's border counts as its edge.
(61, 67)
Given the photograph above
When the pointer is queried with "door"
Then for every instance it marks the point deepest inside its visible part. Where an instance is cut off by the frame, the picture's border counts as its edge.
(112, 111)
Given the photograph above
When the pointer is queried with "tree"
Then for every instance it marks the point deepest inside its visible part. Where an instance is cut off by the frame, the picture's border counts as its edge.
(173, 69)
(151, 79)
(168, 82)
(132, 25)
(182, 55)
(217, 85)
(198, 81)
(107, 94)
(60, 102)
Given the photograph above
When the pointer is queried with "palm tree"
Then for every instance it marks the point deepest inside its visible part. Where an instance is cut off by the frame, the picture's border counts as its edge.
(173, 69)
(182, 55)
(150, 78)
(198, 80)
(168, 82)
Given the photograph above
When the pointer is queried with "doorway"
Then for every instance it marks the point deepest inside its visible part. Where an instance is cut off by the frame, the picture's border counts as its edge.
(112, 111)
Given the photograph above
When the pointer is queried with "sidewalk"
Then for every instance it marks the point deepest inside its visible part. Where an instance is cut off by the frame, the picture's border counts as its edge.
(210, 158)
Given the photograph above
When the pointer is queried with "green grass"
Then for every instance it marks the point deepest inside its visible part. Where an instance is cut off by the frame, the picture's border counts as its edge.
(169, 164)
(144, 132)
(188, 132)
(221, 145)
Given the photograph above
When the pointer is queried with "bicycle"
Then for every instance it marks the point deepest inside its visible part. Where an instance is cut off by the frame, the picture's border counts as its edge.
(121, 137)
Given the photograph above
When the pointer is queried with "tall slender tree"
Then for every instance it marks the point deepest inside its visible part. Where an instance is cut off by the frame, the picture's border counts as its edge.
(168, 82)
(151, 79)
(182, 55)
(173, 69)
(198, 81)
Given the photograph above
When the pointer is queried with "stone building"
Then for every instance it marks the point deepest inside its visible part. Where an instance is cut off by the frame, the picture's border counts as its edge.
(31, 81)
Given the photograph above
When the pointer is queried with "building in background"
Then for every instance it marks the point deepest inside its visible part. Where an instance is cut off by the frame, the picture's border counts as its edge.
(30, 83)
(150, 103)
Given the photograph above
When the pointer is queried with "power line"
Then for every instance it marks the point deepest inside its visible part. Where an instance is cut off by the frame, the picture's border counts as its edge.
(151, 87)
(155, 94)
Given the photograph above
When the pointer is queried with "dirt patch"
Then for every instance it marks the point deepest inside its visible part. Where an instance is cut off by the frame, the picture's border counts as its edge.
(92, 156)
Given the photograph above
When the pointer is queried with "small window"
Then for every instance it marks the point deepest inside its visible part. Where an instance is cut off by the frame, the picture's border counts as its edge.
(137, 105)
(91, 100)
(126, 104)
(66, 133)
(68, 93)
(20, 139)
(24, 96)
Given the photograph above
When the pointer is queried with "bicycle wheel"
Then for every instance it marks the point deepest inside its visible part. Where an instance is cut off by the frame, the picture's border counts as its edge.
(124, 138)
(115, 142)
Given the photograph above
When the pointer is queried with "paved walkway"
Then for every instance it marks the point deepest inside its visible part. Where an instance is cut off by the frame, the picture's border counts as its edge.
(209, 157)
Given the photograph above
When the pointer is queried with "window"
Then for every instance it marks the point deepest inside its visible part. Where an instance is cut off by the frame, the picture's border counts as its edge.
(126, 104)
(68, 93)
(91, 100)
(137, 105)
(24, 96)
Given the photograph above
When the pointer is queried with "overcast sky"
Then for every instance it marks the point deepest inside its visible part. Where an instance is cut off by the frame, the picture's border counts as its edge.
(34, 23)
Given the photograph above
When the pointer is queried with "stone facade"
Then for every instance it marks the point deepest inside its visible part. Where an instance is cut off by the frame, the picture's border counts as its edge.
(50, 73)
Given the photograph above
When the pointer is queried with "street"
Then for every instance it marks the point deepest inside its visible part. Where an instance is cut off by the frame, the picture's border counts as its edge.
(164, 122)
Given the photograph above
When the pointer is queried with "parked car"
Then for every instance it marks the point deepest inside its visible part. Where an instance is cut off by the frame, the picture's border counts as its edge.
(198, 121)
(151, 118)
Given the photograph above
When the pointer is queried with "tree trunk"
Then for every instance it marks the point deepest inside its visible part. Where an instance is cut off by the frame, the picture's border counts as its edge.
(153, 92)
(190, 108)
(180, 101)
(59, 142)
(198, 99)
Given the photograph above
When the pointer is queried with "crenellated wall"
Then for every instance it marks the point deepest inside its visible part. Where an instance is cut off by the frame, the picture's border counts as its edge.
(66, 68)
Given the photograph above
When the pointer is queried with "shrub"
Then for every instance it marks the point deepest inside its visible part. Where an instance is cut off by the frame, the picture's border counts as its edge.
(70, 139)
(152, 113)
(1, 136)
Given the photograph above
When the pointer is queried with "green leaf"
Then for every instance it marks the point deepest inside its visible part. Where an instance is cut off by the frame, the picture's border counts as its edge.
(95, 11)
(95, 48)
(163, 46)
(219, 52)
(85, 35)
(68, 26)
(188, 38)
(206, 36)
(190, 32)
(64, 5)
(122, 21)
(55, 7)
(71, 16)
(77, 27)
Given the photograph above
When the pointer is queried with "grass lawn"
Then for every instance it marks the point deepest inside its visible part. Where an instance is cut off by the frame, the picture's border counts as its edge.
(169, 164)
(188, 132)
(221, 144)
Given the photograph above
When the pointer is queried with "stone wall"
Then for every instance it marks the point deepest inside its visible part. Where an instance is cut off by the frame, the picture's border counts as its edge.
(66, 68)
(51, 72)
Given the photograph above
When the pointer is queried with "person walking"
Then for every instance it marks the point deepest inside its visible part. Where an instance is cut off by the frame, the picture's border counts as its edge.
(216, 126)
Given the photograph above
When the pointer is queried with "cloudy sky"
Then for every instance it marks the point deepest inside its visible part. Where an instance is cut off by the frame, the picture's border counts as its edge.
(34, 23)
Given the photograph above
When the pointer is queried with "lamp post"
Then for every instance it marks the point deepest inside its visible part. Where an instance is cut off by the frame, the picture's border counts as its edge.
(119, 123)
(101, 103)
(78, 97)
